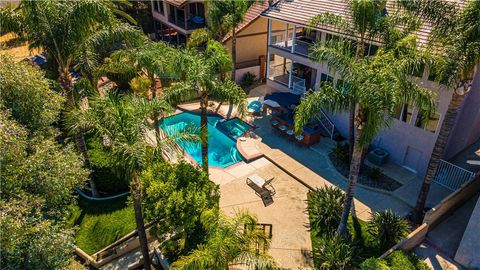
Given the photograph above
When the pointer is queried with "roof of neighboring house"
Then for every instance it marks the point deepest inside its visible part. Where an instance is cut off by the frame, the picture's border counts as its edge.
(300, 12)
(252, 14)
(177, 3)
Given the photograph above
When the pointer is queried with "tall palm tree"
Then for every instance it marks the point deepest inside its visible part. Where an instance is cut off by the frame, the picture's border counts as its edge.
(380, 82)
(122, 121)
(71, 32)
(202, 74)
(231, 241)
(456, 37)
(364, 25)
(225, 16)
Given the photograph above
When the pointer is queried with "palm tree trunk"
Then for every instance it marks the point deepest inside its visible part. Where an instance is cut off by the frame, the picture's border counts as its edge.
(352, 181)
(204, 131)
(234, 52)
(154, 95)
(351, 129)
(437, 154)
(137, 205)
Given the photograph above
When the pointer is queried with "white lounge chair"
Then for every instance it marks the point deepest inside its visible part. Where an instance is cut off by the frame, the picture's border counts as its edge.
(262, 187)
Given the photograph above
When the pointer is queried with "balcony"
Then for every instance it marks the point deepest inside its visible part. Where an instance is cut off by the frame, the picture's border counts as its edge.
(297, 46)
(190, 17)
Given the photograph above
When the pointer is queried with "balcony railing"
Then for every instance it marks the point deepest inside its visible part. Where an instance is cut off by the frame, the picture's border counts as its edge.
(300, 47)
(190, 24)
(451, 176)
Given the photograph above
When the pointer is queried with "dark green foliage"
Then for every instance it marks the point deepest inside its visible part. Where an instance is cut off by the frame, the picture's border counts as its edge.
(248, 79)
(400, 260)
(324, 208)
(340, 152)
(335, 253)
(387, 228)
(107, 178)
(177, 195)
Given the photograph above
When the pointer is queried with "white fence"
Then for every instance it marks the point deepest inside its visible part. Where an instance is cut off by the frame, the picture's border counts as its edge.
(451, 176)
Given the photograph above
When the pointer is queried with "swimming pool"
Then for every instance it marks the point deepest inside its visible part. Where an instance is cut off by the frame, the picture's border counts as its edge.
(222, 135)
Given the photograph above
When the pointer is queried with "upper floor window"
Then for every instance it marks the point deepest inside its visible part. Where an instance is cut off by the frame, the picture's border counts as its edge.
(326, 78)
(428, 122)
(158, 6)
(404, 113)
(370, 49)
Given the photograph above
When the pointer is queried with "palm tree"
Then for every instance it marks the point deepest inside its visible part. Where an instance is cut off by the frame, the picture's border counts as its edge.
(231, 241)
(202, 75)
(122, 122)
(380, 88)
(456, 37)
(225, 16)
(71, 32)
(366, 19)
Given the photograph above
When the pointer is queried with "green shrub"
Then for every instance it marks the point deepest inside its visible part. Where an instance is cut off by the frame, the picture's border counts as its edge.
(335, 254)
(325, 208)
(341, 152)
(248, 79)
(104, 173)
(399, 260)
(387, 228)
(374, 264)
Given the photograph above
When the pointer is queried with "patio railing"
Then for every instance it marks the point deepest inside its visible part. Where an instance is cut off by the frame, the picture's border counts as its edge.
(298, 86)
(326, 123)
(451, 176)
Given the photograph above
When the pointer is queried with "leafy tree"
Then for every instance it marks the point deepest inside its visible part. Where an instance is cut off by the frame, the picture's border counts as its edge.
(380, 80)
(399, 260)
(324, 208)
(29, 240)
(229, 244)
(202, 75)
(70, 32)
(225, 16)
(455, 36)
(176, 195)
(39, 167)
(25, 91)
(122, 121)
(387, 228)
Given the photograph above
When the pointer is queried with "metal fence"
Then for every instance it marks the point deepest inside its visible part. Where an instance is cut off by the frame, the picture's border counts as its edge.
(451, 176)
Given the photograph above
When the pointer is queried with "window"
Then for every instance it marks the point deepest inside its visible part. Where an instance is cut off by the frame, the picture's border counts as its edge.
(370, 49)
(427, 122)
(404, 113)
(275, 39)
(158, 6)
(329, 37)
(326, 78)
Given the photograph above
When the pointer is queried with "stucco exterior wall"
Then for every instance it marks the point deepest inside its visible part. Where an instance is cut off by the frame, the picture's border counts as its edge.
(467, 128)
(400, 137)
(252, 40)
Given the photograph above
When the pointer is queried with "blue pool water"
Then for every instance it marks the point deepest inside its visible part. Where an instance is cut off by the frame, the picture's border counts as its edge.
(222, 151)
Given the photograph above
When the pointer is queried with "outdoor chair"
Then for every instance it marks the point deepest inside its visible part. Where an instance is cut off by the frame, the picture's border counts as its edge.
(262, 187)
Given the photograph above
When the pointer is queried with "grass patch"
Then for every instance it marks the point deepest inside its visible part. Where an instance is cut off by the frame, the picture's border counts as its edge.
(101, 223)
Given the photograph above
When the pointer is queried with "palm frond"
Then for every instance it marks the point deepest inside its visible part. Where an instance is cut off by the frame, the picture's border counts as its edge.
(179, 92)
(231, 92)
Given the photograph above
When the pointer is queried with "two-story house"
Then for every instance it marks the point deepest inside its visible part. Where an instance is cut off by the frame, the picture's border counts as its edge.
(411, 137)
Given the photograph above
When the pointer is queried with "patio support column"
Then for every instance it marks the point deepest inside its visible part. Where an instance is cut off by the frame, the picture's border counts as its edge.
(286, 35)
(269, 41)
(185, 16)
(290, 75)
(294, 38)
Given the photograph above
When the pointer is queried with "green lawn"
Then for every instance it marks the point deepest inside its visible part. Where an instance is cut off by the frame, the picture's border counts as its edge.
(101, 223)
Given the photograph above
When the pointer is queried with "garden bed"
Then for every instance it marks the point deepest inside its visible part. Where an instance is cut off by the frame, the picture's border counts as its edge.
(371, 177)
(101, 223)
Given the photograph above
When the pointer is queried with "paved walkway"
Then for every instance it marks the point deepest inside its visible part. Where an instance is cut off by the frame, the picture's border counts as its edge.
(291, 245)
(313, 167)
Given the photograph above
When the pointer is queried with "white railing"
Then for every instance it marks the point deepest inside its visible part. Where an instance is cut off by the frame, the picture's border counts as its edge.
(326, 123)
(302, 47)
(451, 176)
(298, 86)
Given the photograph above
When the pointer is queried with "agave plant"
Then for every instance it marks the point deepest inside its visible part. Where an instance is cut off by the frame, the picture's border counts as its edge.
(324, 208)
(335, 254)
(387, 228)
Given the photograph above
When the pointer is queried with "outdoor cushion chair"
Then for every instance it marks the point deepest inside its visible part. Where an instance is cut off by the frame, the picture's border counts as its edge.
(282, 128)
(275, 122)
(290, 132)
(262, 187)
(254, 106)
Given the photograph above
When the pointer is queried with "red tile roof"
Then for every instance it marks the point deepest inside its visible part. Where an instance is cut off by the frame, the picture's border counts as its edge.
(252, 14)
(177, 3)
